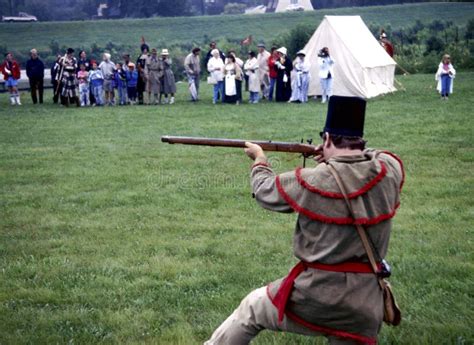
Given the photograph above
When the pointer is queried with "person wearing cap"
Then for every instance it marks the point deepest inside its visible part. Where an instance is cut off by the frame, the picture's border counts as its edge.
(251, 69)
(332, 291)
(272, 71)
(35, 73)
(132, 81)
(385, 43)
(301, 67)
(262, 58)
(154, 73)
(284, 66)
(325, 73)
(444, 76)
(107, 67)
(192, 67)
(215, 67)
(69, 92)
(10, 69)
(168, 83)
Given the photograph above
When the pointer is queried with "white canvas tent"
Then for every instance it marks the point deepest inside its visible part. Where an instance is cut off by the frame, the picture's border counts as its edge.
(362, 67)
(289, 5)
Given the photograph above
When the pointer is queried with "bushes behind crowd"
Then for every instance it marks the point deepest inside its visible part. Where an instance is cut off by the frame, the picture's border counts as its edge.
(418, 48)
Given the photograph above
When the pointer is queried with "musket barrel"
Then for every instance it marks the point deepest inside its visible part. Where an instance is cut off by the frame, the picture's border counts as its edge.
(268, 145)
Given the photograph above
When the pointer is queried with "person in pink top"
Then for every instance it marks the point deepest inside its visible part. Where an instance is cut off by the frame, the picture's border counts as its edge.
(272, 72)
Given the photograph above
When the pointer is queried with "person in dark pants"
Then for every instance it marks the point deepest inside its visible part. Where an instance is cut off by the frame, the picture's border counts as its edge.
(55, 71)
(35, 73)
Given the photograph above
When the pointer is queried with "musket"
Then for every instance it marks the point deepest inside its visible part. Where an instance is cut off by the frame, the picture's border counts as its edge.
(306, 150)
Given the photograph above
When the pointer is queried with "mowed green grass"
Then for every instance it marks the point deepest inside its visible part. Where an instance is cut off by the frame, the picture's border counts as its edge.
(164, 32)
(108, 235)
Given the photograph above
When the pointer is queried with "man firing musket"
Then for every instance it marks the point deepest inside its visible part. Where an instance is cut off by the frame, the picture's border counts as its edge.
(345, 206)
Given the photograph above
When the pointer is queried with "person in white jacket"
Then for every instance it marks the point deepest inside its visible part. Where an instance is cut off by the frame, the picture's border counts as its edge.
(301, 67)
(326, 64)
(215, 67)
(251, 70)
(444, 76)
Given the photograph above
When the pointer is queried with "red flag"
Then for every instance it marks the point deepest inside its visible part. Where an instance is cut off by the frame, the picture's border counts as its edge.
(246, 41)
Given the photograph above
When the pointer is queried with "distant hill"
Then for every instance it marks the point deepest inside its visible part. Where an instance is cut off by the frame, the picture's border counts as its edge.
(162, 32)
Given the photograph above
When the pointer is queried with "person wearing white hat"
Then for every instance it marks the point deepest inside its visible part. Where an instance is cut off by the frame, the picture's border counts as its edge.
(284, 67)
(168, 84)
(301, 78)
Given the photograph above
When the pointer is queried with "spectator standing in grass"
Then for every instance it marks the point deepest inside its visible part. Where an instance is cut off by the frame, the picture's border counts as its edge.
(301, 78)
(192, 66)
(444, 76)
(55, 70)
(283, 66)
(107, 68)
(96, 80)
(35, 73)
(154, 73)
(10, 69)
(326, 64)
(83, 60)
(333, 290)
(263, 69)
(239, 79)
(215, 67)
(168, 83)
(272, 72)
(69, 83)
(232, 74)
(251, 68)
(84, 89)
(121, 84)
(132, 80)
(142, 78)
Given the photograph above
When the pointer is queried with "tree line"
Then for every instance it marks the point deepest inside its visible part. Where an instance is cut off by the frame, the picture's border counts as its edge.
(49, 10)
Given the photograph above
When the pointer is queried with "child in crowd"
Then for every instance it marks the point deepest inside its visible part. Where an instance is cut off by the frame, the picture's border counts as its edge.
(132, 80)
(444, 76)
(121, 83)
(96, 79)
(83, 77)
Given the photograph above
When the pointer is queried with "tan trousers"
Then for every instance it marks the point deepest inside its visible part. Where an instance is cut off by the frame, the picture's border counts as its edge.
(254, 314)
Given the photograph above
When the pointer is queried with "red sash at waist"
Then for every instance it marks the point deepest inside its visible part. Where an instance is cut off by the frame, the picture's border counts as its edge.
(282, 296)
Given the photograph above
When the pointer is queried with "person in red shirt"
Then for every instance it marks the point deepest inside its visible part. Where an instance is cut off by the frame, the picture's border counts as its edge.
(11, 74)
(272, 72)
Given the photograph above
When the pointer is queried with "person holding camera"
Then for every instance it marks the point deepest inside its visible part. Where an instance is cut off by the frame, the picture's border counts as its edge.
(326, 64)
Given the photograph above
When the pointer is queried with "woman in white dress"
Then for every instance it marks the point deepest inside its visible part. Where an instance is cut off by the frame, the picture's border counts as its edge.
(251, 70)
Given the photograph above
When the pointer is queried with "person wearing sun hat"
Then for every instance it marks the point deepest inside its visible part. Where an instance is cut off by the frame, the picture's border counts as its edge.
(168, 84)
(332, 291)
(301, 68)
(284, 67)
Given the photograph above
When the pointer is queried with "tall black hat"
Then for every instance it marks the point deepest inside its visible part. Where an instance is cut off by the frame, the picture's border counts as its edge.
(345, 116)
(70, 51)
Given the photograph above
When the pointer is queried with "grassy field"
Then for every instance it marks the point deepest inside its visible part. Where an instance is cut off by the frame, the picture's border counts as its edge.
(109, 236)
(163, 32)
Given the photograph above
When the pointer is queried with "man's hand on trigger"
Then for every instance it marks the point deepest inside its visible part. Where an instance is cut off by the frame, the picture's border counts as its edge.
(253, 151)
(319, 156)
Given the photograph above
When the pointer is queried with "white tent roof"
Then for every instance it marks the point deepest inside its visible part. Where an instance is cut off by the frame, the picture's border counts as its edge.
(362, 67)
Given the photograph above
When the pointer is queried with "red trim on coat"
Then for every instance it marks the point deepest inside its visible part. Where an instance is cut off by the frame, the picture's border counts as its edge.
(393, 155)
(261, 164)
(331, 220)
(325, 330)
(364, 189)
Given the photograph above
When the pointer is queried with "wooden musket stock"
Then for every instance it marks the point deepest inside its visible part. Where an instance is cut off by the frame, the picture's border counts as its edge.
(279, 146)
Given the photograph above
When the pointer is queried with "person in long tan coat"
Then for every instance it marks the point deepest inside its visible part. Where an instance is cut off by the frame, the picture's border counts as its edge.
(332, 291)
(154, 73)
